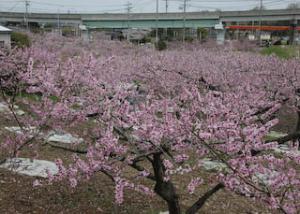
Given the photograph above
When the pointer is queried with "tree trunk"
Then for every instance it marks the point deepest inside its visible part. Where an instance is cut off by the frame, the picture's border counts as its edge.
(165, 189)
(174, 207)
(298, 121)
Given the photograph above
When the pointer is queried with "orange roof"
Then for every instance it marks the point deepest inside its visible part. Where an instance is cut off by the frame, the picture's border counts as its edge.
(264, 28)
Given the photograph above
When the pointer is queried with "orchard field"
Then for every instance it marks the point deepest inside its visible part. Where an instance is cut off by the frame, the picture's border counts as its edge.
(128, 129)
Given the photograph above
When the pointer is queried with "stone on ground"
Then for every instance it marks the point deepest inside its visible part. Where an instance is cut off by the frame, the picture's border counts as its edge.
(285, 149)
(17, 130)
(127, 86)
(64, 138)
(265, 178)
(274, 135)
(5, 109)
(210, 165)
(33, 168)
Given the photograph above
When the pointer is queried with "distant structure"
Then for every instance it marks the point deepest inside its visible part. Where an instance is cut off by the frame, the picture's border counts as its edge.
(84, 33)
(221, 25)
(5, 37)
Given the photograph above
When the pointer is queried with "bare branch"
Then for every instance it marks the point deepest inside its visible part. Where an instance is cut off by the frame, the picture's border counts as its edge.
(196, 206)
(68, 148)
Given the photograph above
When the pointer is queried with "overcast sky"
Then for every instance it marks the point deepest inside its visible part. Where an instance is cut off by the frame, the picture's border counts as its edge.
(119, 6)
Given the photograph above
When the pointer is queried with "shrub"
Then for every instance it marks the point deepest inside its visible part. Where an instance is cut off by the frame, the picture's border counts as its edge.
(20, 40)
(67, 32)
(281, 52)
(161, 45)
(189, 39)
(146, 39)
(202, 33)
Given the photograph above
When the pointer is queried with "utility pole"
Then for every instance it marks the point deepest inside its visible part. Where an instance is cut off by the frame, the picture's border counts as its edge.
(293, 32)
(167, 10)
(184, 19)
(128, 10)
(260, 21)
(58, 22)
(294, 24)
(27, 4)
(167, 6)
(156, 21)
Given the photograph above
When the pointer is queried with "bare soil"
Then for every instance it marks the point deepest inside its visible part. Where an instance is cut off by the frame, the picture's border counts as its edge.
(17, 194)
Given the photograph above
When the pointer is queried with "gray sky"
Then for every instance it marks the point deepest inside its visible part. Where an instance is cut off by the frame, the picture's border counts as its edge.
(119, 6)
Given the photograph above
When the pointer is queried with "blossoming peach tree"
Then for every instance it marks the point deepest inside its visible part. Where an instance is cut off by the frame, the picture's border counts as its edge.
(161, 114)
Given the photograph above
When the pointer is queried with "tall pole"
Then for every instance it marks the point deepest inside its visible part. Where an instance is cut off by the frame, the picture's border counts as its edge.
(184, 19)
(294, 23)
(129, 7)
(58, 21)
(156, 30)
(27, 4)
(167, 6)
(260, 21)
(167, 10)
(166, 29)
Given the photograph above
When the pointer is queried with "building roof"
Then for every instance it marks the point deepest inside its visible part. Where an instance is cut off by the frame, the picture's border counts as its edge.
(82, 27)
(4, 29)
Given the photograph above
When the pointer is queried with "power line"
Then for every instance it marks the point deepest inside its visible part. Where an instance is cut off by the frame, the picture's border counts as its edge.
(201, 4)
(266, 3)
(128, 10)
(260, 20)
(157, 11)
(129, 7)
(13, 7)
(166, 5)
(27, 4)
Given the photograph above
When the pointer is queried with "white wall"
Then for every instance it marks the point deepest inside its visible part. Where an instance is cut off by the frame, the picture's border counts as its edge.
(221, 37)
(85, 35)
(6, 38)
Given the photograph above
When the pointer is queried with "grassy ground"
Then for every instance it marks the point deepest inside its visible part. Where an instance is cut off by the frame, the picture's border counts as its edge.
(285, 52)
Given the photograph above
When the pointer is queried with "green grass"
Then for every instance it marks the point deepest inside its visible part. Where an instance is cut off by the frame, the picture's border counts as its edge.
(32, 97)
(284, 52)
(36, 97)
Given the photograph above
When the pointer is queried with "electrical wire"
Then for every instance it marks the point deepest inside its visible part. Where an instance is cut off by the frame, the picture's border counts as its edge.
(140, 5)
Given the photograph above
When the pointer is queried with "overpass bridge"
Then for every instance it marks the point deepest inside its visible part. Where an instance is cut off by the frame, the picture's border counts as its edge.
(152, 20)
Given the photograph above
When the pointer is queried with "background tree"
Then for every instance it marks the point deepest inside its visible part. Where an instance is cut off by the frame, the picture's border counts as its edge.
(180, 108)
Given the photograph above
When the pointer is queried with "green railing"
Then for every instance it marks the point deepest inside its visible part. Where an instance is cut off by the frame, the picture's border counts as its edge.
(151, 23)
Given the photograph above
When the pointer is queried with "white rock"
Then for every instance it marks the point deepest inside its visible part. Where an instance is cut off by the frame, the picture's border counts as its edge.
(166, 212)
(281, 149)
(265, 178)
(275, 135)
(126, 86)
(17, 130)
(5, 109)
(34, 168)
(284, 149)
(63, 138)
(210, 165)
(20, 112)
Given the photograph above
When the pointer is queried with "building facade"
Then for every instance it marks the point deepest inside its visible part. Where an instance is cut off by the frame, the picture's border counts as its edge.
(5, 37)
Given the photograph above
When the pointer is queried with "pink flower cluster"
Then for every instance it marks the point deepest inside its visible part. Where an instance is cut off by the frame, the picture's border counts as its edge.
(181, 104)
